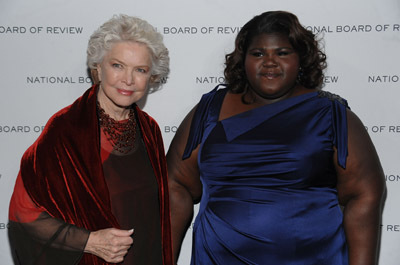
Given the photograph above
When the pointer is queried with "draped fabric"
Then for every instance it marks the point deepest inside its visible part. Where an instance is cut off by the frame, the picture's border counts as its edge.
(62, 173)
(134, 199)
(269, 182)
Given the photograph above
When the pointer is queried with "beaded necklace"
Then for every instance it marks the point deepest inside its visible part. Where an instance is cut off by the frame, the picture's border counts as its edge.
(121, 134)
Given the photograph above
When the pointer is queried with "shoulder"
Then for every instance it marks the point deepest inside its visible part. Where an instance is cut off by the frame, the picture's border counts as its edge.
(208, 98)
(218, 90)
(145, 117)
(147, 123)
(66, 121)
(50, 135)
(59, 118)
(332, 97)
(76, 114)
(54, 128)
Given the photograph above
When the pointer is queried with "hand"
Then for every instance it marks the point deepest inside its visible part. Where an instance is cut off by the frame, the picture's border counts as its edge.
(110, 244)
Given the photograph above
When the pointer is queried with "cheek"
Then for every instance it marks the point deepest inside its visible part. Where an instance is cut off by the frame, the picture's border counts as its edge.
(295, 65)
(102, 74)
(247, 64)
(292, 69)
(110, 76)
(144, 79)
(249, 68)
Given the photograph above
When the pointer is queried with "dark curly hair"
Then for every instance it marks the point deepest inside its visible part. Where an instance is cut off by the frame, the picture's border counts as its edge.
(312, 59)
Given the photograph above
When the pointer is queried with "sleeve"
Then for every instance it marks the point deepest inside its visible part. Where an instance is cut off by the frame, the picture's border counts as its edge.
(38, 238)
(198, 123)
(339, 118)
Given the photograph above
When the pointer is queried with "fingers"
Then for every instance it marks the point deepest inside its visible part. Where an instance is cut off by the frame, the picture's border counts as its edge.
(121, 233)
(110, 244)
(116, 257)
(120, 242)
(122, 237)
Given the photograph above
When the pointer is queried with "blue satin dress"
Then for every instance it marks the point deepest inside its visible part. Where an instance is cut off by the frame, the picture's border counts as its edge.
(269, 183)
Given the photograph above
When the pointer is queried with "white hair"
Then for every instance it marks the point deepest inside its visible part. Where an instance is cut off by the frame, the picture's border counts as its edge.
(126, 28)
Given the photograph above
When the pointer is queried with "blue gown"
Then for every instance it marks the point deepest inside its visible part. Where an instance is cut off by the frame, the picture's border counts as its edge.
(269, 183)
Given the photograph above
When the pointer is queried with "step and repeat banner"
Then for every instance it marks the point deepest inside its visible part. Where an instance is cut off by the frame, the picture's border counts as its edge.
(43, 68)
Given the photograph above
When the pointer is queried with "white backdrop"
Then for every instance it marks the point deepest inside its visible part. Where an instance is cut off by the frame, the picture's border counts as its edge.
(43, 55)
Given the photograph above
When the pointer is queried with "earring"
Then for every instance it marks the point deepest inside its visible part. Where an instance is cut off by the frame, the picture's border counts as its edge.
(299, 74)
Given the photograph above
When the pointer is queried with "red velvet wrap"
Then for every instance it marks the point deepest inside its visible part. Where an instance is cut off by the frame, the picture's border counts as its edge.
(62, 171)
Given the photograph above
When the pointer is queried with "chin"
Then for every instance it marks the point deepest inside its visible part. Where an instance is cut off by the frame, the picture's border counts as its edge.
(124, 104)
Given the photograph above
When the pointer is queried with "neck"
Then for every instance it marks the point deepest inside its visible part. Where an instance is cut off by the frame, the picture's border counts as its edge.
(115, 112)
(252, 97)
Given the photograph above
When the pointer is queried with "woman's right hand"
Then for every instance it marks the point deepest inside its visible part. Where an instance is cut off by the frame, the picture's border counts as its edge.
(110, 244)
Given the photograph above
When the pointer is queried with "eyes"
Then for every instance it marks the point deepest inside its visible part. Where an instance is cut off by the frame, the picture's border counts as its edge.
(279, 52)
(142, 70)
(117, 65)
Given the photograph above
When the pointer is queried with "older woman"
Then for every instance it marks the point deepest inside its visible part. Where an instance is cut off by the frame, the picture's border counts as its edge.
(271, 158)
(92, 189)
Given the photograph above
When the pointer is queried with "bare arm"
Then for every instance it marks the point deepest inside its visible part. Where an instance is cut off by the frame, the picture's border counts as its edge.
(361, 188)
(184, 183)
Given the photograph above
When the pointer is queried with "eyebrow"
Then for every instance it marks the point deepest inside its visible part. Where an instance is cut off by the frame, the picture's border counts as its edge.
(277, 48)
(119, 61)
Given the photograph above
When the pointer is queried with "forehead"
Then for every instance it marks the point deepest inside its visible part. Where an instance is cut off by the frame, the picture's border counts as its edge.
(129, 50)
(270, 39)
(121, 46)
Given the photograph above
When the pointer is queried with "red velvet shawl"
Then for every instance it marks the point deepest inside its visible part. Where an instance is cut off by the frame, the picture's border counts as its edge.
(62, 171)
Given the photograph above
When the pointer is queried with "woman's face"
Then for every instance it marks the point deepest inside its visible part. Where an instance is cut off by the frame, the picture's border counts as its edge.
(271, 66)
(124, 76)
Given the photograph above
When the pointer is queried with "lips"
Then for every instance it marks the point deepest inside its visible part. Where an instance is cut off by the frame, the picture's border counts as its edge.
(270, 75)
(125, 92)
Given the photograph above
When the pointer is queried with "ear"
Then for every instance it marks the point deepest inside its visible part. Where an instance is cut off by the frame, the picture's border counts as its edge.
(154, 78)
(94, 74)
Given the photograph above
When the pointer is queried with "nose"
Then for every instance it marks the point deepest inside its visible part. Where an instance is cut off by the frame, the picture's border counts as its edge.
(129, 78)
(269, 61)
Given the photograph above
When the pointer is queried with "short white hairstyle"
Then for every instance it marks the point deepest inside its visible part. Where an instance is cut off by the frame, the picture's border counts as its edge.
(126, 28)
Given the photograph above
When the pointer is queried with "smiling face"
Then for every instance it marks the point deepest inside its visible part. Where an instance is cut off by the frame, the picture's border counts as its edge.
(272, 67)
(124, 76)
